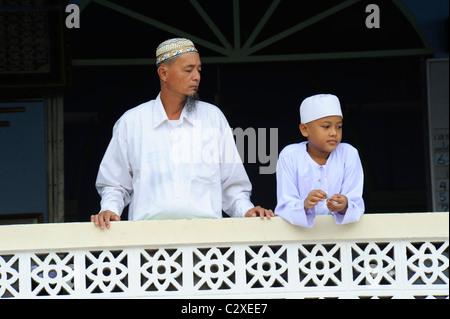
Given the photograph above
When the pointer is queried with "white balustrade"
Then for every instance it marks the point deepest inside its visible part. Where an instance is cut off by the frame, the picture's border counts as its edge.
(381, 256)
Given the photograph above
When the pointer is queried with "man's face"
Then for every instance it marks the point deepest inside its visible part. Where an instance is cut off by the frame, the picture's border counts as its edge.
(183, 74)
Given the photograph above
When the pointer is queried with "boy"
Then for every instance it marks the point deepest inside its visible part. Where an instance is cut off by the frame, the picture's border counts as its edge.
(321, 176)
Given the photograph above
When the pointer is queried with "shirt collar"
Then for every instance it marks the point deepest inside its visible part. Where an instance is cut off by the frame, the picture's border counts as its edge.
(160, 115)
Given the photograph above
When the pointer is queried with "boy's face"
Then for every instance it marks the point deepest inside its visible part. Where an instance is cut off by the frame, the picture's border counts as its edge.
(323, 134)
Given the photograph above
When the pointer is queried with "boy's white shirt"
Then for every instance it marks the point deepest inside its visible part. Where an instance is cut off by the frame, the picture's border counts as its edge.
(298, 174)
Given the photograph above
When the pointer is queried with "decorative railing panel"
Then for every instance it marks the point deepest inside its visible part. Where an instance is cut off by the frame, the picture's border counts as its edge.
(277, 260)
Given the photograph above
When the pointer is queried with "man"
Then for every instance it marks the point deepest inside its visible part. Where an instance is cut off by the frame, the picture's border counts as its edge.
(174, 157)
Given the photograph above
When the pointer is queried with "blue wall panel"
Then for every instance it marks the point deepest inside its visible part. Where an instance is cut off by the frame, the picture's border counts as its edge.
(23, 177)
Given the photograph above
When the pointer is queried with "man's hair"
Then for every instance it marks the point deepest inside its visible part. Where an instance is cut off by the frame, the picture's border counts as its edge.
(167, 62)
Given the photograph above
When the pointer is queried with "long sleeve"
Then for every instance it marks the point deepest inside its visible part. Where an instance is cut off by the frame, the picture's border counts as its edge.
(352, 187)
(114, 180)
(236, 187)
(290, 205)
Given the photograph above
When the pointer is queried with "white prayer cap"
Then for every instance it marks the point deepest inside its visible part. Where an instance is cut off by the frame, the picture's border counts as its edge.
(318, 106)
(172, 48)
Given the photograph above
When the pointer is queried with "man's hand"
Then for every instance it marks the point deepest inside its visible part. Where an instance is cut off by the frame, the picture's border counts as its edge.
(338, 203)
(103, 219)
(258, 210)
(314, 197)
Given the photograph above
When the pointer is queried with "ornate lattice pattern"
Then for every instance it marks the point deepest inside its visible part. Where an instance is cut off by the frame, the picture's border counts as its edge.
(9, 276)
(266, 266)
(24, 37)
(106, 271)
(427, 263)
(391, 269)
(52, 274)
(373, 264)
(214, 268)
(320, 265)
(161, 270)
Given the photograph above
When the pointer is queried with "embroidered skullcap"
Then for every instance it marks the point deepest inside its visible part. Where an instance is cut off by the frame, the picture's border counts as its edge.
(172, 48)
(318, 106)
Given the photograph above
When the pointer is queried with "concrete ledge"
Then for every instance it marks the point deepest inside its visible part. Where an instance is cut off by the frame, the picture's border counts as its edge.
(228, 230)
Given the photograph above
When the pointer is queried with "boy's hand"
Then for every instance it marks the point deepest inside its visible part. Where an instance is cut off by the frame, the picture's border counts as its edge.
(314, 197)
(338, 203)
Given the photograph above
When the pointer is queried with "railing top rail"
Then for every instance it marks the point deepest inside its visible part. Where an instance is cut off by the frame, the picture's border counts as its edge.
(227, 230)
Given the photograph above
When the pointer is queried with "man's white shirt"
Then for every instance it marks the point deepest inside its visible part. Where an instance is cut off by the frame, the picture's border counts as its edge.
(182, 169)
